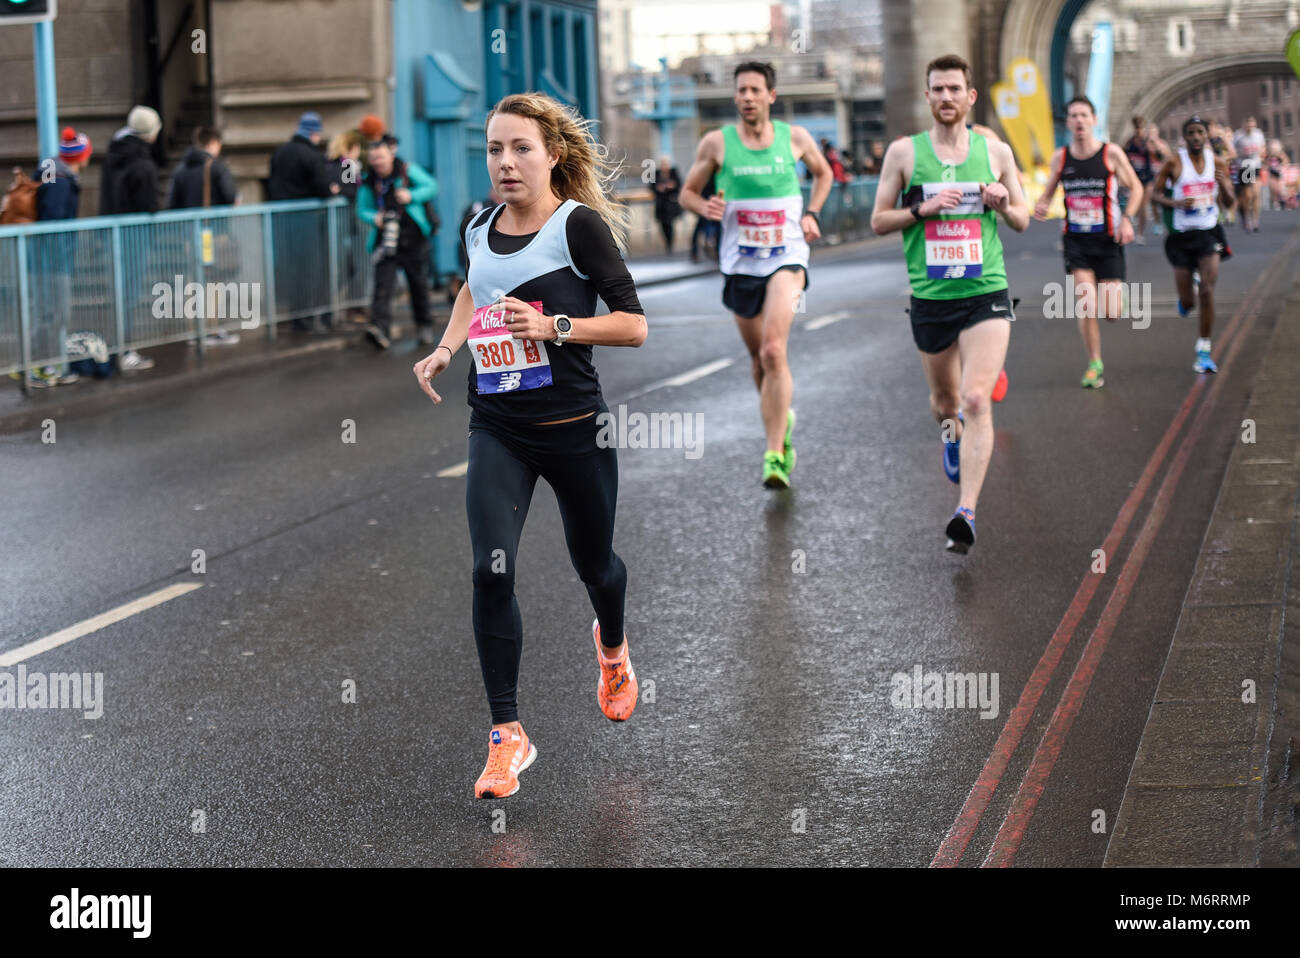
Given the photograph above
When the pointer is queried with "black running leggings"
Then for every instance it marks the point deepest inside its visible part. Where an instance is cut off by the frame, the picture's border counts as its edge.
(505, 461)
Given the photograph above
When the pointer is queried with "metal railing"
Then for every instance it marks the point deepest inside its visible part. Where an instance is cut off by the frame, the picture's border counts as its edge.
(847, 213)
(146, 279)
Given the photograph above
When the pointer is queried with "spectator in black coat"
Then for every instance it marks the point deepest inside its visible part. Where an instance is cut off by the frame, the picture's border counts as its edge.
(298, 172)
(668, 185)
(298, 168)
(129, 180)
(193, 172)
(129, 184)
(198, 173)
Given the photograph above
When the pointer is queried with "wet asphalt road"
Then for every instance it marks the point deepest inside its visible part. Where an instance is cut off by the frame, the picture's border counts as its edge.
(329, 562)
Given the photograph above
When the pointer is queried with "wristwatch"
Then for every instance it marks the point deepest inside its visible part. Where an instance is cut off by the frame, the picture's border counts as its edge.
(563, 327)
(916, 211)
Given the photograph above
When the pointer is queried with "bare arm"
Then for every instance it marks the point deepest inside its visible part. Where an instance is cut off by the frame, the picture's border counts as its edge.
(1010, 200)
(453, 338)
(708, 157)
(1168, 172)
(807, 150)
(1227, 198)
(894, 174)
(1049, 191)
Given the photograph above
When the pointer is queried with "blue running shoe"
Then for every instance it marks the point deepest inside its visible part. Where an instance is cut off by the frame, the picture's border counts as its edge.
(1182, 310)
(1204, 364)
(961, 531)
(952, 458)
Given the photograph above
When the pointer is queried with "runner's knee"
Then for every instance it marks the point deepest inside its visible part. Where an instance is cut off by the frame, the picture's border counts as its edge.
(974, 403)
(772, 356)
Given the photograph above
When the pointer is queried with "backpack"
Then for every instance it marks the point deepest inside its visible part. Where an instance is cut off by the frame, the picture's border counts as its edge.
(19, 204)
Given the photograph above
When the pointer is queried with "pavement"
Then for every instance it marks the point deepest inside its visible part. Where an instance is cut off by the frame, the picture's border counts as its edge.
(1216, 780)
(316, 699)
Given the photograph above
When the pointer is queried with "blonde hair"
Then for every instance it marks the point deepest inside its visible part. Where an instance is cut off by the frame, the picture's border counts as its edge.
(584, 169)
(343, 142)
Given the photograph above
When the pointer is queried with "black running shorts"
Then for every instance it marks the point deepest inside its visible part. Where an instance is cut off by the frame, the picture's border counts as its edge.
(1101, 254)
(936, 323)
(1186, 249)
(744, 295)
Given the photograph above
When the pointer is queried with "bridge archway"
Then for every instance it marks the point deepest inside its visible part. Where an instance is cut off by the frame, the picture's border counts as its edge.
(1158, 98)
(1040, 30)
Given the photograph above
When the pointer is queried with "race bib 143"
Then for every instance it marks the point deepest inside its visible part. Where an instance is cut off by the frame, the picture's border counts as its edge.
(761, 233)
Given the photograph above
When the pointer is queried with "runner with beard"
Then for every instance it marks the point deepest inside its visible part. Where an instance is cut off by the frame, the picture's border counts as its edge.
(953, 184)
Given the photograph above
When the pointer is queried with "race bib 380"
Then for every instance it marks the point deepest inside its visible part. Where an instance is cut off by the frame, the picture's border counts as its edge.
(505, 364)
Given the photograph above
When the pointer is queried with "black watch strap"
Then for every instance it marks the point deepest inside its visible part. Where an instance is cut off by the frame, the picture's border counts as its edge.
(916, 210)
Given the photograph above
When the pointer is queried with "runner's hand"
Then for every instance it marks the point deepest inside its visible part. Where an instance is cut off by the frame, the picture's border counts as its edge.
(1125, 231)
(430, 366)
(1040, 209)
(811, 231)
(524, 322)
(943, 200)
(716, 208)
(995, 196)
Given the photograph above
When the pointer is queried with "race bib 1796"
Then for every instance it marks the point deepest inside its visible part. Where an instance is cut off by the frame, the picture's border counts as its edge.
(954, 249)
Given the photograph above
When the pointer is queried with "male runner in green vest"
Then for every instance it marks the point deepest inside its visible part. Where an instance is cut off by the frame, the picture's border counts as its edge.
(953, 183)
(765, 235)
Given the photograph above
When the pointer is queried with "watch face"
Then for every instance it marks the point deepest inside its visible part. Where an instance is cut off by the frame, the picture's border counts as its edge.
(563, 325)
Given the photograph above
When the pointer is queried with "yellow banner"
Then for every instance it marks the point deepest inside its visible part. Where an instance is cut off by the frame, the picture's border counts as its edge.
(1035, 107)
(1006, 103)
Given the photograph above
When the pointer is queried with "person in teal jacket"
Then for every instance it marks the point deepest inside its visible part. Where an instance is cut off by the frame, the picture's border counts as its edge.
(392, 199)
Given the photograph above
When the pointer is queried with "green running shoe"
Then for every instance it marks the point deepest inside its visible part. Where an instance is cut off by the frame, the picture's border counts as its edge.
(789, 444)
(774, 474)
(1092, 378)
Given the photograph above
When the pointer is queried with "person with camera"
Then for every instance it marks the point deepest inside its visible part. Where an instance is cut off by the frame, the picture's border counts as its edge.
(397, 197)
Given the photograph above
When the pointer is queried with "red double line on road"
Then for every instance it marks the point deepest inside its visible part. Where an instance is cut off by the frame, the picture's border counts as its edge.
(1009, 836)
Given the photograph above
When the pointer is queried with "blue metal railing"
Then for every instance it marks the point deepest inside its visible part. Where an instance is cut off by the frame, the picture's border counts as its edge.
(145, 279)
(847, 213)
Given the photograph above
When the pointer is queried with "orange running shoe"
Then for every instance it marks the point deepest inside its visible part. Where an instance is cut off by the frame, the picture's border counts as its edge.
(617, 690)
(509, 753)
(1000, 388)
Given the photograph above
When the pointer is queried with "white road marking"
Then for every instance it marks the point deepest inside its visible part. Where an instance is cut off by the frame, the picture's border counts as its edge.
(452, 472)
(826, 320)
(74, 632)
(681, 379)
